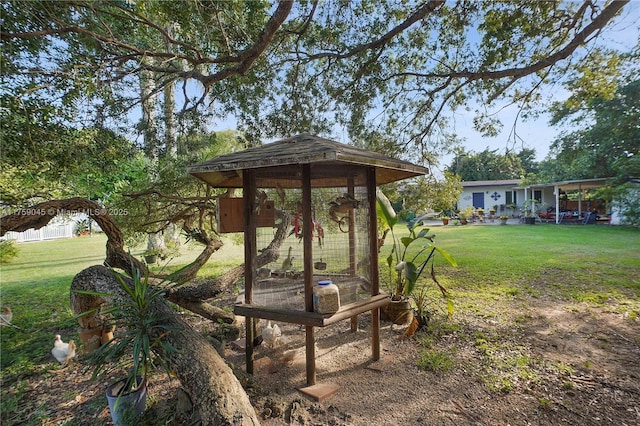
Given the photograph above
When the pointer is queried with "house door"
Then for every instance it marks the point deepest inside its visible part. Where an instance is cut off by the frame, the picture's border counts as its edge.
(478, 200)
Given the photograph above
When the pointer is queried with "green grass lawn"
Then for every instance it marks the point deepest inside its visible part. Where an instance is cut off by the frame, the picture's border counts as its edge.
(36, 286)
(594, 264)
(576, 261)
(598, 264)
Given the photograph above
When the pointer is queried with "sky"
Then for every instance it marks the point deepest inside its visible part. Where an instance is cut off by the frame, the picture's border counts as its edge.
(536, 133)
(623, 34)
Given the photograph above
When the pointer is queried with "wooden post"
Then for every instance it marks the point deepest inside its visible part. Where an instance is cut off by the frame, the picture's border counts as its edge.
(353, 264)
(249, 196)
(353, 243)
(307, 242)
(373, 261)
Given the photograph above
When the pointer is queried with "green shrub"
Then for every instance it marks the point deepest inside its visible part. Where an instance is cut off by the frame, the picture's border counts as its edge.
(8, 251)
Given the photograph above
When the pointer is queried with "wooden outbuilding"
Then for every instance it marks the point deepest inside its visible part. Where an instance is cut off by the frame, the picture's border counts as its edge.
(325, 192)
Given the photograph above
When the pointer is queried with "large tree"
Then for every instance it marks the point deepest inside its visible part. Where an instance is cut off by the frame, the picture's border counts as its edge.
(607, 141)
(284, 67)
(395, 68)
(489, 165)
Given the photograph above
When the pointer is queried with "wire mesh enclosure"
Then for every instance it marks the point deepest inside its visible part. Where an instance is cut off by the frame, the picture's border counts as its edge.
(308, 213)
(340, 246)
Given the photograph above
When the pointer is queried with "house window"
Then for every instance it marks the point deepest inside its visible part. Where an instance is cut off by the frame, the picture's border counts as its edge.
(537, 195)
(510, 197)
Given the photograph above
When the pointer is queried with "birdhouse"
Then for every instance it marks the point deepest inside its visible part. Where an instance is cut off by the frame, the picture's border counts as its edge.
(308, 213)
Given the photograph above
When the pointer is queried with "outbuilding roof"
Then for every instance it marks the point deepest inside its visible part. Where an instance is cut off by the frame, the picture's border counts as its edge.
(504, 182)
(277, 163)
(577, 184)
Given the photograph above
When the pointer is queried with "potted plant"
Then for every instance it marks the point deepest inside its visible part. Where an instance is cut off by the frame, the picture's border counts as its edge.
(406, 267)
(503, 219)
(151, 255)
(465, 214)
(492, 213)
(81, 227)
(530, 211)
(139, 345)
(445, 220)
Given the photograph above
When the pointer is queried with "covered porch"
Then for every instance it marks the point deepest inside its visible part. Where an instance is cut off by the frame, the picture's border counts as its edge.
(564, 209)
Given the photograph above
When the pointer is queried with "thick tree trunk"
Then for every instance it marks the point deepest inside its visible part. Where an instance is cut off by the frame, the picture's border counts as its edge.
(214, 389)
(188, 296)
(204, 374)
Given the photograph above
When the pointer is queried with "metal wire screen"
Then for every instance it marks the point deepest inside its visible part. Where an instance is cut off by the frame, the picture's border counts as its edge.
(340, 250)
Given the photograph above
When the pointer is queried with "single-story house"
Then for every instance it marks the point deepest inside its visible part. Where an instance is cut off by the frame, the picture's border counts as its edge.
(504, 195)
(508, 198)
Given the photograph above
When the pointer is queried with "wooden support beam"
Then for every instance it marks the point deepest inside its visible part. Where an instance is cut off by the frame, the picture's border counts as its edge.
(250, 254)
(310, 343)
(353, 242)
(311, 318)
(373, 262)
(307, 242)
(353, 246)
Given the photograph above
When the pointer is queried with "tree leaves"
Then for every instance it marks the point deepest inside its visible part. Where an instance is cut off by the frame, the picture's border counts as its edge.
(399, 68)
(606, 143)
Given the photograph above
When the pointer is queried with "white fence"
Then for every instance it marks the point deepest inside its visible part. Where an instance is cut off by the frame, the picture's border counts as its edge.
(49, 232)
(59, 227)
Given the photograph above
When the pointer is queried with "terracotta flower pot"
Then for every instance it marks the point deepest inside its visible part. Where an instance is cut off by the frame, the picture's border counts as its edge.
(398, 312)
(107, 334)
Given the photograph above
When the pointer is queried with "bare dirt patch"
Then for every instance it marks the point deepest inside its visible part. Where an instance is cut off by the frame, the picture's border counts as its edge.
(558, 365)
(541, 362)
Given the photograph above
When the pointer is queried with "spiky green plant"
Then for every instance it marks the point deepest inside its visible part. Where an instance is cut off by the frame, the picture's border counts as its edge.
(140, 344)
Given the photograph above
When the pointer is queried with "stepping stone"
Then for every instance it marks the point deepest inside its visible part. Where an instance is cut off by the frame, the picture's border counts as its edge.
(321, 391)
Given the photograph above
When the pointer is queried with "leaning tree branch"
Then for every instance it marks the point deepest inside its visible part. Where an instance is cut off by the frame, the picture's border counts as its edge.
(116, 256)
(41, 214)
(189, 296)
(596, 25)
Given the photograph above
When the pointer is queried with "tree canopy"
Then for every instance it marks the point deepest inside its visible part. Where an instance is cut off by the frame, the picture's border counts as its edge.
(285, 67)
(606, 142)
(491, 165)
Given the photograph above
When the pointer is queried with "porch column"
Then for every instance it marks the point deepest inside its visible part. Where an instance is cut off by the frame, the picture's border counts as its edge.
(556, 191)
(579, 200)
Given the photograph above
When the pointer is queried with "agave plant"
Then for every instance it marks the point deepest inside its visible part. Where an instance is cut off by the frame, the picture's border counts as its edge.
(139, 345)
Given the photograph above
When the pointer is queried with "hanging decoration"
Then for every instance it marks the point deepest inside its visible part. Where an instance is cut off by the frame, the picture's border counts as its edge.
(342, 205)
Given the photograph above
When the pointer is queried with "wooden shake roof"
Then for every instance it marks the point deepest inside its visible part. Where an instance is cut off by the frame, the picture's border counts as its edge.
(277, 163)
